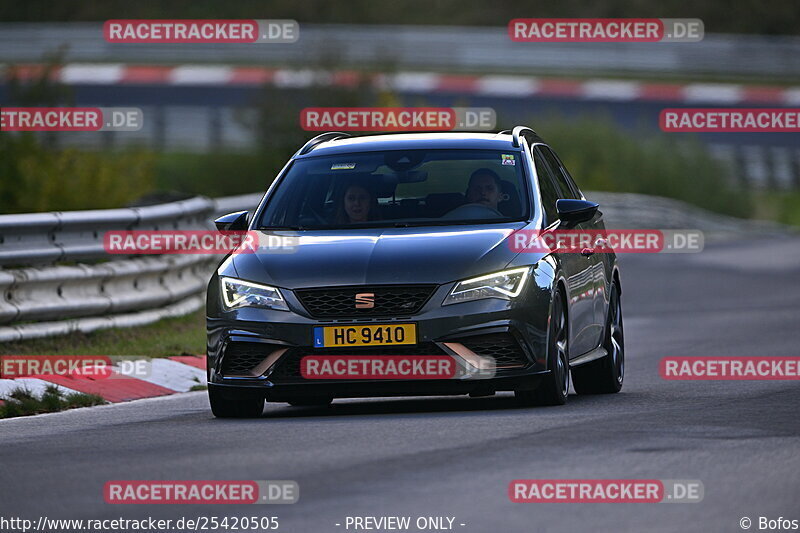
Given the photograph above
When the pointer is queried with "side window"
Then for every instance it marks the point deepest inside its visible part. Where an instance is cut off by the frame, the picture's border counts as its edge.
(572, 184)
(566, 186)
(547, 187)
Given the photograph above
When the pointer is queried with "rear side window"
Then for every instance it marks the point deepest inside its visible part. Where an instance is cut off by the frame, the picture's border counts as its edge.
(547, 187)
(566, 186)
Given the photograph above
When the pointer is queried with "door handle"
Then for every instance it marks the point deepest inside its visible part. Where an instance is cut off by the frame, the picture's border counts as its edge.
(586, 252)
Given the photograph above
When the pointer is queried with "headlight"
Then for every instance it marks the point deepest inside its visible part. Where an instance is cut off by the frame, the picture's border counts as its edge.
(238, 293)
(505, 285)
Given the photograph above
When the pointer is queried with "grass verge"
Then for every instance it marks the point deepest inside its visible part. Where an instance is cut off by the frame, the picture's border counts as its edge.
(22, 402)
(783, 207)
(184, 335)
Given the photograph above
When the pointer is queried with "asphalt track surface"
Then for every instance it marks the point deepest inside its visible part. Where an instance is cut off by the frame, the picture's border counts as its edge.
(456, 456)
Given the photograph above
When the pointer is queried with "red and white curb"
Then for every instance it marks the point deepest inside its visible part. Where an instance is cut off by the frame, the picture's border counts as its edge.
(164, 376)
(416, 82)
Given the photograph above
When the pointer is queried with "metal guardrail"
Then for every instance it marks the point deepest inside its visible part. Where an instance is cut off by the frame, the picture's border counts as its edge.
(453, 48)
(43, 299)
(41, 238)
(36, 294)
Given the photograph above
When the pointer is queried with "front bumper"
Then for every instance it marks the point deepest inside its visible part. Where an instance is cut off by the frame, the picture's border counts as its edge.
(368, 389)
(260, 350)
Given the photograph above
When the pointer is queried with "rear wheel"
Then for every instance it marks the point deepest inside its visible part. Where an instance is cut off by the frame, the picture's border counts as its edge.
(605, 375)
(235, 404)
(554, 387)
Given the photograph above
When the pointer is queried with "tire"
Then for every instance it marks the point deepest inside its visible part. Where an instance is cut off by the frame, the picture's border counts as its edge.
(554, 387)
(605, 376)
(235, 404)
(311, 401)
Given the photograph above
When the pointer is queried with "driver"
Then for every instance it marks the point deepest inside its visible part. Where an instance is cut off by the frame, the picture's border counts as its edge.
(484, 188)
(359, 204)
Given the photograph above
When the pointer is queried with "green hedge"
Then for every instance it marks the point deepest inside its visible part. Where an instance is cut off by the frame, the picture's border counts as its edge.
(36, 178)
(603, 157)
(214, 174)
(600, 155)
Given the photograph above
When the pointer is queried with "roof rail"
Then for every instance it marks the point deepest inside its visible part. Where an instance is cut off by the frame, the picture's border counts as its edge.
(319, 139)
(520, 131)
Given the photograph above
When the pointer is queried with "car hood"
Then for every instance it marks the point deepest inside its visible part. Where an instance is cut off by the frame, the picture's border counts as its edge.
(381, 256)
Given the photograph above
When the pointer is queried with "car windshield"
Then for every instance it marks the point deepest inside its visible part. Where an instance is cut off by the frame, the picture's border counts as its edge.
(399, 188)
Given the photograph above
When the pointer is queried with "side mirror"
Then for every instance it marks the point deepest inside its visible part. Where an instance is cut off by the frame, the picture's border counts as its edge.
(232, 221)
(576, 211)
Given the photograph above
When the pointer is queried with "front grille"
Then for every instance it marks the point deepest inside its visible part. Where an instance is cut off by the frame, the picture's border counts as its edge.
(241, 357)
(288, 368)
(390, 300)
(503, 347)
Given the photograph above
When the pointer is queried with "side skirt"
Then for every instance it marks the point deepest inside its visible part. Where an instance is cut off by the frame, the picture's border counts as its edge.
(594, 355)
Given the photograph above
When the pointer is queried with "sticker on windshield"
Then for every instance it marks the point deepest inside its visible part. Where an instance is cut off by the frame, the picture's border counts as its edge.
(508, 159)
(343, 166)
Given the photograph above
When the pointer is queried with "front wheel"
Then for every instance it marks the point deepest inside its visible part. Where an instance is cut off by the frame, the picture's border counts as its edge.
(554, 386)
(605, 375)
(235, 404)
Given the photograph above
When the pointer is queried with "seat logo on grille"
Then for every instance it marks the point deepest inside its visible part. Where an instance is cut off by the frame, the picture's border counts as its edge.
(365, 300)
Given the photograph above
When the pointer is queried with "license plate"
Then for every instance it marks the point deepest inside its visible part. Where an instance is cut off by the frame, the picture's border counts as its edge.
(358, 335)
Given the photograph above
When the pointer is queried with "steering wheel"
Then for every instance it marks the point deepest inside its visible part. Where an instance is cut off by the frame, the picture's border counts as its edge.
(475, 210)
